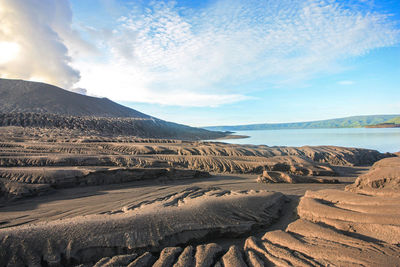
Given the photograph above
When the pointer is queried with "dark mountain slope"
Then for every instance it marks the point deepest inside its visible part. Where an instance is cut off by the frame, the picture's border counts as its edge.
(139, 127)
(24, 96)
(32, 104)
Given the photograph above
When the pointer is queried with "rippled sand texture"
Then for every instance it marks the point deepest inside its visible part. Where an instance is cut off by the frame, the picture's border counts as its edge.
(69, 199)
(193, 214)
(335, 228)
(53, 159)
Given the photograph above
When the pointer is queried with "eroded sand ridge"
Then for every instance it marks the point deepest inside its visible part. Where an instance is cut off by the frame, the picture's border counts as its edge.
(70, 199)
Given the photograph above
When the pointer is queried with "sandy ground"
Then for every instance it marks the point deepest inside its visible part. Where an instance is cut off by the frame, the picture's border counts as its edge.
(116, 201)
(67, 203)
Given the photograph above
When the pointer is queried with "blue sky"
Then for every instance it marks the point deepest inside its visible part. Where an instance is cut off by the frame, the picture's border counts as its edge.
(216, 62)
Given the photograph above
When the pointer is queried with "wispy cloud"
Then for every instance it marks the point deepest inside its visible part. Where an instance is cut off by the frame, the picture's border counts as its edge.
(195, 57)
(127, 83)
(163, 53)
(346, 82)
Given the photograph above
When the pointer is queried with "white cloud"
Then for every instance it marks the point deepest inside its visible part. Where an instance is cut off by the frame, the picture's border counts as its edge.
(162, 53)
(125, 83)
(165, 54)
(41, 31)
(8, 51)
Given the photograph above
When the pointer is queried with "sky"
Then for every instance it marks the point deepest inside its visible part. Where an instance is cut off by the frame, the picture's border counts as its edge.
(212, 62)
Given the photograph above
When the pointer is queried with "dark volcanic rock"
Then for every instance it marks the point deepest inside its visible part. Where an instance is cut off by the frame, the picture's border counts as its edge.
(140, 127)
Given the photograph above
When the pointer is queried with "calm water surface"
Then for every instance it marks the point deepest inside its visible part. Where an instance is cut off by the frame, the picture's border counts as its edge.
(381, 139)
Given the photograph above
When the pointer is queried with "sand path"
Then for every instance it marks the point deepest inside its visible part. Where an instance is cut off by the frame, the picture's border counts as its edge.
(67, 203)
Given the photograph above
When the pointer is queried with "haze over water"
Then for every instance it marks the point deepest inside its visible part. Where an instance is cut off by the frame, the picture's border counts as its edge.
(381, 139)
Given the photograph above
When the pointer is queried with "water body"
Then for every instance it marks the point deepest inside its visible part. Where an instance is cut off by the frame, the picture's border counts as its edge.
(381, 139)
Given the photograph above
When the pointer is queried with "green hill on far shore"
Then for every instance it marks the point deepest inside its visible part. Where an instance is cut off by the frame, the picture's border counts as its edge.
(348, 122)
(394, 120)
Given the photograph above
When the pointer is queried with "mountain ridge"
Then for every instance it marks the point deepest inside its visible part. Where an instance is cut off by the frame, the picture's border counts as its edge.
(24, 96)
(33, 104)
(345, 122)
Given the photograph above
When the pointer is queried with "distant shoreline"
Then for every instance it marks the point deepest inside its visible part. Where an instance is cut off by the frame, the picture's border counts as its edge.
(384, 125)
(233, 136)
(346, 122)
